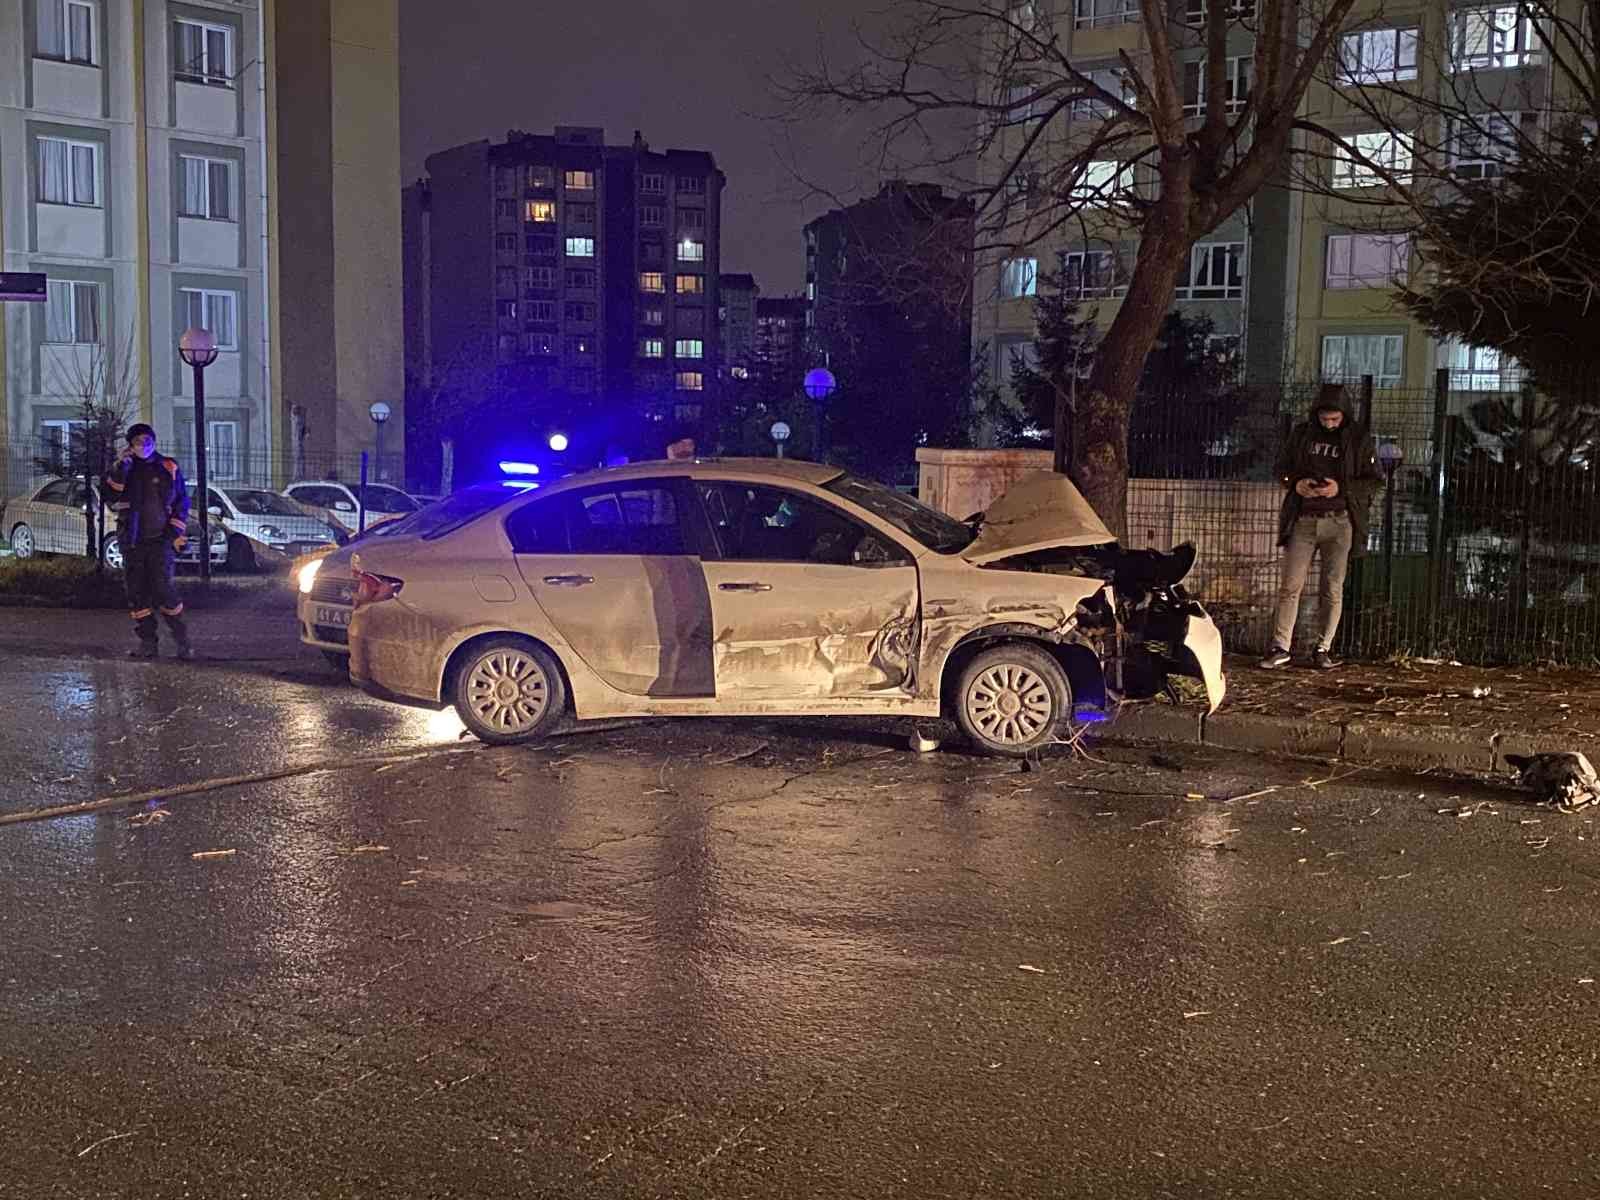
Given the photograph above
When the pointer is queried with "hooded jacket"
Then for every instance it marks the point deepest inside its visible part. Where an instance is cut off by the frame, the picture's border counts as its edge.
(126, 481)
(1359, 479)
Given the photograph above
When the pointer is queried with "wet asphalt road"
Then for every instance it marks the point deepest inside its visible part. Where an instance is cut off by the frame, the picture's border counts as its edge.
(777, 959)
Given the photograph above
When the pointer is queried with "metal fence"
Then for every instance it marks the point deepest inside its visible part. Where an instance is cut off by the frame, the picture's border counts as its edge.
(1483, 546)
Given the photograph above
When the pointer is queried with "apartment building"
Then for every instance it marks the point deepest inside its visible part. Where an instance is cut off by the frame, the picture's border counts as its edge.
(1298, 285)
(227, 164)
(588, 276)
(736, 316)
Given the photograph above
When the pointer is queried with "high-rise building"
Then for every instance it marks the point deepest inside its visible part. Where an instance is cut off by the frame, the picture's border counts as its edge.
(779, 346)
(228, 165)
(736, 316)
(586, 275)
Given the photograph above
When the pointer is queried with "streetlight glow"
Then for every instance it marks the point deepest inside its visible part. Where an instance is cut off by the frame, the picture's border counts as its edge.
(558, 442)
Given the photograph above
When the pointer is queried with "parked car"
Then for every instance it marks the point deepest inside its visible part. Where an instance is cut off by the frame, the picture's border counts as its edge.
(263, 528)
(340, 503)
(773, 588)
(50, 520)
(327, 587)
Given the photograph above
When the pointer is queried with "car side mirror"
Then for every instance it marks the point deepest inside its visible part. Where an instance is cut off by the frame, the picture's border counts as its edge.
(343, 506)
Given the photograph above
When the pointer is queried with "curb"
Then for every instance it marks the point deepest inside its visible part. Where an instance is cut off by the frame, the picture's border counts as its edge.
(1387, 744)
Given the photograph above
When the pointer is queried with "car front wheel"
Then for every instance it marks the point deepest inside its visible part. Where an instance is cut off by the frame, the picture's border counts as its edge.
(507, 690)
(241, 555)
(111, 552)
(1011, 699)
(22, 543)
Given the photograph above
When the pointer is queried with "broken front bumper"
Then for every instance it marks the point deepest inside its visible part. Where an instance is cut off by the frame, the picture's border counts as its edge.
(1202, 641)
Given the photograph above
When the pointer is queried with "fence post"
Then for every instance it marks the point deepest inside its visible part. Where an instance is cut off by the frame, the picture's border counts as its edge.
(361, 497)
(1438, 560)
(1526, 455)
(1355, 639)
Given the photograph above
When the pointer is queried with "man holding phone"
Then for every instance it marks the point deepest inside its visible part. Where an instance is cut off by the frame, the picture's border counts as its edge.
(1330, 471)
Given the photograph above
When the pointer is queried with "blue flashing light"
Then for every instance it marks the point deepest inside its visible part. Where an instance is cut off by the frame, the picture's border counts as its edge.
(519, 468)
(1090, 714)
(522, 485)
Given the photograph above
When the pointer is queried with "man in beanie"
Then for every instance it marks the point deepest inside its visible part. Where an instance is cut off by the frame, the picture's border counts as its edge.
(1330, 469)
(152, 507)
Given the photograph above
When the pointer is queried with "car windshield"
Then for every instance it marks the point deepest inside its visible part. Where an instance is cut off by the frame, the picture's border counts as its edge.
(258, 502)
(451, 513)
(929, 526)
(385, 499)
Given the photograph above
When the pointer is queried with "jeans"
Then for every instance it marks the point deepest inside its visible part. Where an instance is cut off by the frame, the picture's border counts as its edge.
(1331, 536)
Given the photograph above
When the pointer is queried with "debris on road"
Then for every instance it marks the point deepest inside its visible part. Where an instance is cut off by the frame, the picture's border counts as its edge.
(369, 848)
(1029, 967)
(198, 854)
(1565, 780)
(153, 817)
(920, 743)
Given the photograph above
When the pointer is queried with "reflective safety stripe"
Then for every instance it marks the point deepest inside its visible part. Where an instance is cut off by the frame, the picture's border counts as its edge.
(122, 506)
(140, 614)
(114, 485)
(180, 526)
(172, 612)
(171, 465)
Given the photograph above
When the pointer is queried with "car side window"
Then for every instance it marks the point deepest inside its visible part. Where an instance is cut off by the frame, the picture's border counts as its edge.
(56, 493)
(540, 527)
(761, 524)
(633, 518)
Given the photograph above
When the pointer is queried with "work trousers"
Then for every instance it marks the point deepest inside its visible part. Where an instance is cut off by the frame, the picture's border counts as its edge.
(148, 569)
(1330, 537)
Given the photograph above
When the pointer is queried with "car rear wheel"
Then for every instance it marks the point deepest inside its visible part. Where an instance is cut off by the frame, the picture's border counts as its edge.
(508, 690)
(1011, 699)
(111, 552)
(22, 543)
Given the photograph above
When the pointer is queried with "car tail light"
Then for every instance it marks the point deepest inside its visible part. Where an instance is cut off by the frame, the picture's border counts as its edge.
(370, 589)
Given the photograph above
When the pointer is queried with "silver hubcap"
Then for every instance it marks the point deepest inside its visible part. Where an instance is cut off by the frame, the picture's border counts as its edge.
(22, 543)
(1009, 704)
(114, 555)
(507, 691)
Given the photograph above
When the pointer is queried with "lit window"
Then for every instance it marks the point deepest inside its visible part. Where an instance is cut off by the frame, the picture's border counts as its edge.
(580, 344)
(688, 348)
(69, 172)
(1216, 272)
(811, 291)
(66, 31)
(1346, 358)
(1488, 38)
(1479, 368)
(1194, 85)
(1089, 273)
(1092, 14)
(1481, 147)
(1362, 260)
(1378, 56)
(580, 247)
(691, 185)
(653, 184)
(652, 281)
(1103, 181)
(691, 251)
(1382, 149)
(207, 190)
(1019, 277)
(72, 313)
(215, 311)
(580, 181)
(691, 285)
(690, 381)
(540, 211)
(652, 348)
(204, 53)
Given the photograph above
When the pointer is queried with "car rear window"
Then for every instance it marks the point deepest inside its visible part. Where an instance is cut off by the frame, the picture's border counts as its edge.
(457, 510)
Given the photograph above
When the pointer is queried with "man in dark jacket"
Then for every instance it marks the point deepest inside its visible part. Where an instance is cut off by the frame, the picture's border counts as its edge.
(152, 506)
(1330, 471)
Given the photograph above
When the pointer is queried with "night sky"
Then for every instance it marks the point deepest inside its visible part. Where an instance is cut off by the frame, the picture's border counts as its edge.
(685, 73)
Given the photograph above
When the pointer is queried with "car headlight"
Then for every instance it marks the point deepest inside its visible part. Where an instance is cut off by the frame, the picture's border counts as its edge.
(308, 575)
(271, 533)
(219, 536)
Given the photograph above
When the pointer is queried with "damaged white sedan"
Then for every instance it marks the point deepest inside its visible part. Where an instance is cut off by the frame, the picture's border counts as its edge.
(762, 587)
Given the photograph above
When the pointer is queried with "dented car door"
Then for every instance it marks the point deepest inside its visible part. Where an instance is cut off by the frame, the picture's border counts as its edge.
(807, 601)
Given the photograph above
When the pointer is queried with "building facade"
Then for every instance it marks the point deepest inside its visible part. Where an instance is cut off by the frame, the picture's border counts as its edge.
(736, 317)
(778, 351)
(579, 282)
(152, 186)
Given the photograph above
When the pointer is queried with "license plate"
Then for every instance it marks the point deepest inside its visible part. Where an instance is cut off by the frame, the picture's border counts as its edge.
(333, 616)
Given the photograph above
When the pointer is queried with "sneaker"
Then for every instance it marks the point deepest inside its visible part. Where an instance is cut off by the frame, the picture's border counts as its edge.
(1323, 661)
(1276, 657)
(144, 650)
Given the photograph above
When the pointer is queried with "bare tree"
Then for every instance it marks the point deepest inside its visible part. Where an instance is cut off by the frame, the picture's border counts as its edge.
(999, 72)
(103, 382)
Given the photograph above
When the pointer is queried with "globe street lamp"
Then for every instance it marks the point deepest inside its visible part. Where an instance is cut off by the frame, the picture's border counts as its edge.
(198, 348)
(379, 412)
(819, 385)
(780, 434)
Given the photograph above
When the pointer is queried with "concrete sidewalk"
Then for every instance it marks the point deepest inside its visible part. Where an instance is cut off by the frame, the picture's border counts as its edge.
(1411, 716)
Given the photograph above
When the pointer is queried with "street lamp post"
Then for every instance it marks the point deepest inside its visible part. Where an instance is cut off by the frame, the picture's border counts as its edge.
(819, 385)
(379, 413)
(780, 434)
(198, 348)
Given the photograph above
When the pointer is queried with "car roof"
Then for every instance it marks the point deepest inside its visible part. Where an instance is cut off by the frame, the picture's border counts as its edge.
(772, 470)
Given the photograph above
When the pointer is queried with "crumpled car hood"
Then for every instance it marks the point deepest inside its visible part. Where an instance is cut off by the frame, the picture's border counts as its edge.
(1041, 511)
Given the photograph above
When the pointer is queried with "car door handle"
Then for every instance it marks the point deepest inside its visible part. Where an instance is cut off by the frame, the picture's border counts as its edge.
(568, 580)
(744, 587)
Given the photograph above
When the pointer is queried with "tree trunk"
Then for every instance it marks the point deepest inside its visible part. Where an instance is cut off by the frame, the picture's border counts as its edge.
(447, 465)
(1100, 433)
